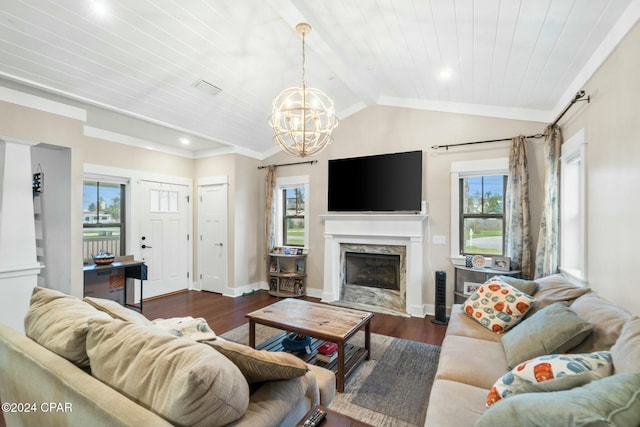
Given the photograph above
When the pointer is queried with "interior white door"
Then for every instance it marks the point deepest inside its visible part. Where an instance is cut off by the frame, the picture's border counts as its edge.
(164, 237)
(212, 246)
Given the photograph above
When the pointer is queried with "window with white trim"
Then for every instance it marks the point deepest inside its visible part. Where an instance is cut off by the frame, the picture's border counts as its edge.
(477, 206)
(573, 231)
(292, 211)
(103, 216)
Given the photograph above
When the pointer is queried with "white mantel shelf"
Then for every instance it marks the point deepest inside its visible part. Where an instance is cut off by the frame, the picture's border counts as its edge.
(381, 225)
(376, 229)
(375, 216)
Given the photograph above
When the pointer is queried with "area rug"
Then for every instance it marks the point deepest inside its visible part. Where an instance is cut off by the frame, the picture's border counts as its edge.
(391, 389)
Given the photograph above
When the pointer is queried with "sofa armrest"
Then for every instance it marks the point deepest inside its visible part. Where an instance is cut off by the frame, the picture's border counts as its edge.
(32, 374)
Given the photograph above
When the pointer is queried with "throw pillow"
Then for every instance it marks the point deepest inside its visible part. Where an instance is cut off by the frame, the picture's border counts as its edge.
(626, 351)
(607, 317)
(187, 327)
(58, 322)
(529, 287)
(611, 401)
(551, 373)
(185, 382)
(117, 311)
(497, 306)
(260, 365)
(554, 329)
(555, 288)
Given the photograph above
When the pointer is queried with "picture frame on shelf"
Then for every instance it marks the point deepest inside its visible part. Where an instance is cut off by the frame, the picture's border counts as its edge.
(470, 287)
(501, 263)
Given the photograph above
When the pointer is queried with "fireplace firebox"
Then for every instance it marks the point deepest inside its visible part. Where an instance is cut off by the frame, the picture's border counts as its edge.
(373, 270)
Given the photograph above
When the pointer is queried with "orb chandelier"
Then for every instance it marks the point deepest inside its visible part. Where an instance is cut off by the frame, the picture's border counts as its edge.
(303, 117)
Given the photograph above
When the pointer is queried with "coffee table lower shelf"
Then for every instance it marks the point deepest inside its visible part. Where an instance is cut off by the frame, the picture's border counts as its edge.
(353, 355)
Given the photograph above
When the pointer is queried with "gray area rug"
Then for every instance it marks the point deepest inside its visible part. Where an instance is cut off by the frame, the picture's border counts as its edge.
(391, 389)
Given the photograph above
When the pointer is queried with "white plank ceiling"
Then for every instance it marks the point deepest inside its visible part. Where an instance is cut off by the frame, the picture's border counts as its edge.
(511, 58)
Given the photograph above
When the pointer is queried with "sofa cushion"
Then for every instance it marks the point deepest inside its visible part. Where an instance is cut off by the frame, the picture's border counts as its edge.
(117, 311)
(626, 351)
(555, 288)
(614, 401)
(554, 329)
(462, 325)
(471, 361)
(551, 373)
(454, 404)
(607, 318)
(185, 382)
(260, 365)
(59, 322)
(497, 306)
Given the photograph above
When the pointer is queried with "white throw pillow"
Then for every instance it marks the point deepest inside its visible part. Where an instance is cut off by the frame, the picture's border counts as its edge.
(551, 373)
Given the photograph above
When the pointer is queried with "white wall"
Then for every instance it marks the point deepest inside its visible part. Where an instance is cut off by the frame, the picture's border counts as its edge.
(54, 222)
(613, 173)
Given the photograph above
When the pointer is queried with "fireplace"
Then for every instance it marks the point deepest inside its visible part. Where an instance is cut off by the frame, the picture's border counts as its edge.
(372, 270)
(373, 275)
(381, 238)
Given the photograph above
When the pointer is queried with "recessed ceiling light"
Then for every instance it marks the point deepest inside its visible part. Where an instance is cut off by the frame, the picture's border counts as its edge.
(184, 141)
(445, 73)
(99, 8)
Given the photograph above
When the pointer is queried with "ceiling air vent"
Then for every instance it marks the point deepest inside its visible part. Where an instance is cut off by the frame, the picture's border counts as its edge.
(207, 87)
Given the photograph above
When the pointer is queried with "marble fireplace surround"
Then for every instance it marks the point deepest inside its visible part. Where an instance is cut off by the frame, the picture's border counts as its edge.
(375, 229)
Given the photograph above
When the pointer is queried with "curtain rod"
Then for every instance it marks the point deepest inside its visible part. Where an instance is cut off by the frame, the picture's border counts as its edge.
(311, 162)
(578, 97)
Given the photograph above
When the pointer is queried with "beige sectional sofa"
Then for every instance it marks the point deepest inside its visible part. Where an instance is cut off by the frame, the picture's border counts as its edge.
(93, 363)
(473, 359)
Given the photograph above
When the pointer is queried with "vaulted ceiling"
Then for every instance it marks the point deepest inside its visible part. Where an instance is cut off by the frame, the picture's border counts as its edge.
(509, 58)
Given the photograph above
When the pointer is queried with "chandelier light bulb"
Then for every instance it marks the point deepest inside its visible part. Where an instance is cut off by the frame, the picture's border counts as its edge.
(303, 118)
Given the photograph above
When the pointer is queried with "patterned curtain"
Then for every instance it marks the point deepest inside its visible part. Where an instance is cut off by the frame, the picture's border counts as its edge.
(270, 211)
(518, 220)
(547, 253)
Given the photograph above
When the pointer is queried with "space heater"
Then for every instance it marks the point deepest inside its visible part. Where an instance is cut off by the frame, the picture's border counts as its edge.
(441, 299)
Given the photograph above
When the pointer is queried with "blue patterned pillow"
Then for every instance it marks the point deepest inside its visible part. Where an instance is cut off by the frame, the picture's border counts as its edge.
(551, 373)
(497, 306)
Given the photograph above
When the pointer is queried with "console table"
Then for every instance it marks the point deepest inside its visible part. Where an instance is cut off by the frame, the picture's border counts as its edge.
(106, 281)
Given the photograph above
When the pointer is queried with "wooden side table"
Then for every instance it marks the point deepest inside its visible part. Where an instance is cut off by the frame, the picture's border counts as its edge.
(334, 419)
(476, 277)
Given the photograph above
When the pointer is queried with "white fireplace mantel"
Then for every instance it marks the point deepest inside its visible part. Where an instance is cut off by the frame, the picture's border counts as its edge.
(376, 229)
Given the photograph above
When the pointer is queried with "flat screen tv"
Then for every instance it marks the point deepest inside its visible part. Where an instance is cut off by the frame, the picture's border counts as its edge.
(380, 183)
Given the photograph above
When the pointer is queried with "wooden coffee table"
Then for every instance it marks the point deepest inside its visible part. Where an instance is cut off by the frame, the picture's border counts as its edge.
(321, 321)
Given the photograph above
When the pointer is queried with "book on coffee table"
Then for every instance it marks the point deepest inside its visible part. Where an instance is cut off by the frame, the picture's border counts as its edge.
(327, 358)
(327, 348)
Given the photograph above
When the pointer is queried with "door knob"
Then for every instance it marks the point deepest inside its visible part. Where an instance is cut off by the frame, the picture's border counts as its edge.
(217, 244)
(146, 247)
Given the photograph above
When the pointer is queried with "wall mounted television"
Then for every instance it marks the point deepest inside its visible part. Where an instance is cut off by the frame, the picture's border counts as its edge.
(380, 183)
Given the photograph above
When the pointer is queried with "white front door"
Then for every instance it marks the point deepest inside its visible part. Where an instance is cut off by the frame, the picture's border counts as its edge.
(164, 237)
(212, 244)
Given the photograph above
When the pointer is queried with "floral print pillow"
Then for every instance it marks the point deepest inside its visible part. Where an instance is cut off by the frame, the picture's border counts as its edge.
(497, 306)
(552, 373)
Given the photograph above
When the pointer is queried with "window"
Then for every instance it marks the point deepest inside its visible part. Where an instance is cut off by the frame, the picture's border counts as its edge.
(292, 211)
(293, 225)
(482, 214)
(103, 217)
(477, 207)
(572, 209)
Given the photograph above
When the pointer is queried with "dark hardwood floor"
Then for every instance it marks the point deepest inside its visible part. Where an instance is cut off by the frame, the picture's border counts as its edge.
(225, 313)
